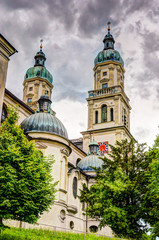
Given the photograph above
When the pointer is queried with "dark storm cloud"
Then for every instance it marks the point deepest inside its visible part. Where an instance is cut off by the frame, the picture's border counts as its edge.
(19, 4)
(28, 21)
(95, 15)
(63, 11)
(151, 60)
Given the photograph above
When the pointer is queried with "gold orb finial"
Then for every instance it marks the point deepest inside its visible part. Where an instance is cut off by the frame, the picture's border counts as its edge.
(108, 23)
(41, 46)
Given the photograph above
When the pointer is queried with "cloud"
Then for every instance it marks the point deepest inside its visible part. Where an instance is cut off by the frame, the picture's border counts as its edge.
(73, 32)
(95, 15)
(137, 5)
(142, 133)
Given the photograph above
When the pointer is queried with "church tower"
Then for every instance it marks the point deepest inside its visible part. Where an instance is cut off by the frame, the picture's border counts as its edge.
(108, 104)
(37, 81)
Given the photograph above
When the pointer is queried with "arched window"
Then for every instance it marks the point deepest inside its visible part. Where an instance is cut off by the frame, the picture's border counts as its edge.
(96, 116)
(111, 114)
(4, 114)
(93, 229)
(75, 187)
(104, 113)
(71, 224)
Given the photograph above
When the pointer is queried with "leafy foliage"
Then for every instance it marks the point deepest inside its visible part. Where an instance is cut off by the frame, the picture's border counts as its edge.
(27, 188)
(116, 198)
(151, 202)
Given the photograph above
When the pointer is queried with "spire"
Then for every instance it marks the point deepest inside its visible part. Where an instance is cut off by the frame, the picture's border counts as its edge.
(108, 23)
(40, 56)
(41, 46)
(108, 39)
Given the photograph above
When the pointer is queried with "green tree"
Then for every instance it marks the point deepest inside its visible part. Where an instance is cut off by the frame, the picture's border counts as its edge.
(27, 188)
(116, 197)
(151, 198)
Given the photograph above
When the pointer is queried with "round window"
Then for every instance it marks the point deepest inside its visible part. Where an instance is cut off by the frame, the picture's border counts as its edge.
(75, 187)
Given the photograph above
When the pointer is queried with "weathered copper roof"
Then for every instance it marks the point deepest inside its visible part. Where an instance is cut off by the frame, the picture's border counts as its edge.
(108, 55)
(90, 161)
(38, 71)
(44, 122)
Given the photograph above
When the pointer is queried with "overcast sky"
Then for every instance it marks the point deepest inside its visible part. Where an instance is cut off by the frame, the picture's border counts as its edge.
(73, 31)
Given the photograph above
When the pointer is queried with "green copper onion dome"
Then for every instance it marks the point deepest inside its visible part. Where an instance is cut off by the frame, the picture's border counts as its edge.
(43, 120)
(39, 69)
(92, 159)
(108, 53)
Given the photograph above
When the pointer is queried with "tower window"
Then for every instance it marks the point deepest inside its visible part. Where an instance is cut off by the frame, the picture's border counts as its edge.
(96, 116)
(29, 100)
(46, 92)
(31, 89)
(104, 73)
(107, 44)
(125, 120)
(111, 114)
(105, 85)
(104, 113)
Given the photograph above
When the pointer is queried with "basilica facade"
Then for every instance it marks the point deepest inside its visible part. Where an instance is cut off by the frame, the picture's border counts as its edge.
(108, 121)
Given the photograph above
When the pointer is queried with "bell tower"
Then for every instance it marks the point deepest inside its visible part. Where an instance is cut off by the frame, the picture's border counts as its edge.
(108, 104)
(37, 81)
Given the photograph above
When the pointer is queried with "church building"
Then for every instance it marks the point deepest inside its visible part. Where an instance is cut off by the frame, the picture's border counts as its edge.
(108, 121)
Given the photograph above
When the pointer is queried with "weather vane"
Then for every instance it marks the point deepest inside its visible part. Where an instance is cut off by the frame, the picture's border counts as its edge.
(108, 23)
(41, 41)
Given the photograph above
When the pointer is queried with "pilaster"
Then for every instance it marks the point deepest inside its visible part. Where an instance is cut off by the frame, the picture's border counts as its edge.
(6, 50)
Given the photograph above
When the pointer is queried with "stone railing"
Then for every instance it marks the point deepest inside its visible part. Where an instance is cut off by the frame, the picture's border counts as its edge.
(107, 91)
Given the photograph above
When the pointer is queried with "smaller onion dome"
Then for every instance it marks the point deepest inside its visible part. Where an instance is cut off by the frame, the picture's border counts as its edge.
(92, 159)
(108, 53)
(39, 69)
(43, 120)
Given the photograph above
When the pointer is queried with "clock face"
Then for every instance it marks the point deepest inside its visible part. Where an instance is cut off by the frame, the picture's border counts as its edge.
(103, 147)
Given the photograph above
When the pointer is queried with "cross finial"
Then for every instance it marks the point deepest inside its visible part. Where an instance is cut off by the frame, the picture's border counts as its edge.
(41, 46)
(108, 23)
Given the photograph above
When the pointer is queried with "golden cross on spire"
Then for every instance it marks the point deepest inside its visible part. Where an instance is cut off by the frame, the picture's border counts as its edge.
(41, 46)
(108, 23)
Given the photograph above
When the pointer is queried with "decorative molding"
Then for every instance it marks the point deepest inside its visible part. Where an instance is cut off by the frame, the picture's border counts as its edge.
(62, 190)
(72, 209)
(40, 145)
(65, 152)
(104, 80)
